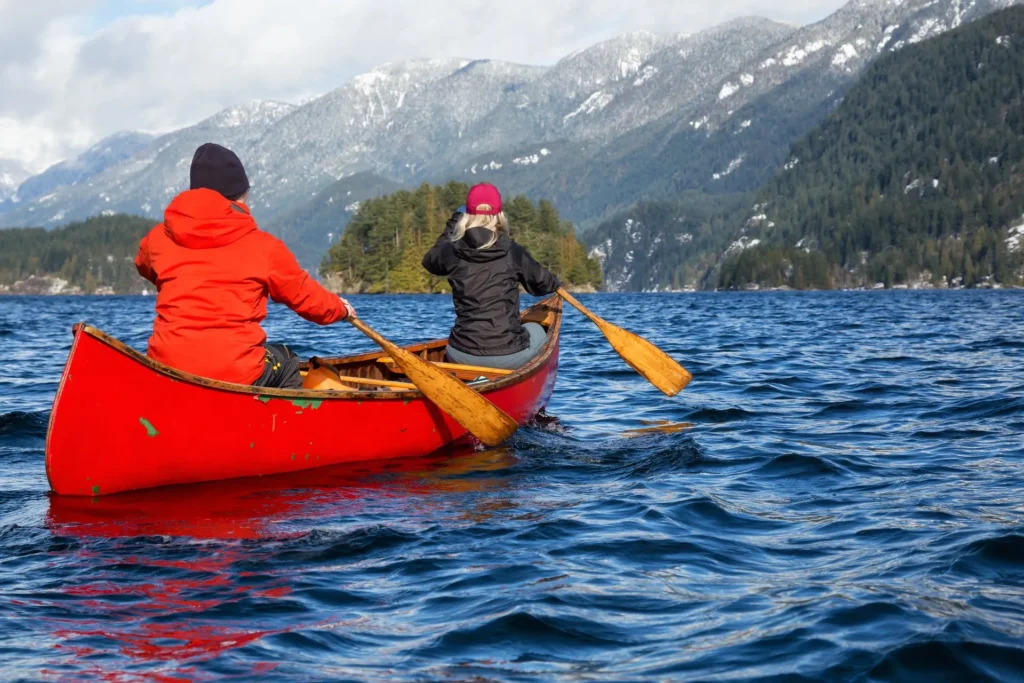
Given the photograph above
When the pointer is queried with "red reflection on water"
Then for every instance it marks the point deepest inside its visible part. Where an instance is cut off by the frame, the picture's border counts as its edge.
(155, 621)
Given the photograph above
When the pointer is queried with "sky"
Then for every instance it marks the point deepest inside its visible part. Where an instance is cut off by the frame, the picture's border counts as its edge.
(74, 71)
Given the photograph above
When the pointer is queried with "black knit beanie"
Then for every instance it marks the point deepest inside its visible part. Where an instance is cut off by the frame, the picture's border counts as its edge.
(218, 168)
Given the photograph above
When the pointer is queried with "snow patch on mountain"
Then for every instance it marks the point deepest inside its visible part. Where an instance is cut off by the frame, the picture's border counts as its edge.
(592, 104)
(1015, 237)
(733, 165)
(886, 37)
(845, 54)
(728, 90)
(742, 244)
(645, 75)
(796, 54)
(927, 29)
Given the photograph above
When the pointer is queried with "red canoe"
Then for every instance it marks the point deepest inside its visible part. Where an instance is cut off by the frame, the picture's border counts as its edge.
(122, 421)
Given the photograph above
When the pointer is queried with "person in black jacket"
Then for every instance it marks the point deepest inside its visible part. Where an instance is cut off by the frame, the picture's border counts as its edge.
(485, 268)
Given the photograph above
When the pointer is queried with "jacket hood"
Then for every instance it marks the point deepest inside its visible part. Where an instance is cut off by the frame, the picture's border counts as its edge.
(204, 219)
(468, 248)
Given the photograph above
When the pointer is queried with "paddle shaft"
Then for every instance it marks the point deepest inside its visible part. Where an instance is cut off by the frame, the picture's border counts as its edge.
(481, 418)
(580, 307)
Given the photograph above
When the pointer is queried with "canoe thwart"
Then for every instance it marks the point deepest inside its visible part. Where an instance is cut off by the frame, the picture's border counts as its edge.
(476, 369)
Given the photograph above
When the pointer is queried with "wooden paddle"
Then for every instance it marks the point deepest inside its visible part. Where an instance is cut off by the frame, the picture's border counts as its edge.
(641, 355)
(480, 417)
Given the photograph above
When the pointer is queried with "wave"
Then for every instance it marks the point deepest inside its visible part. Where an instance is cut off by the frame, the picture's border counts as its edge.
(22, 425)
(798, 465)
(1000, 556)
(523, 630)
(705, 513)
(996, 343)
(940, 660)
(706, 414)
(849, 407)
(676, 457)
(997, 405)
(319, 545)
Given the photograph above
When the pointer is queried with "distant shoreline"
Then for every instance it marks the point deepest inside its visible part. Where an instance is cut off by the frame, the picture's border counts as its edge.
(78, 295)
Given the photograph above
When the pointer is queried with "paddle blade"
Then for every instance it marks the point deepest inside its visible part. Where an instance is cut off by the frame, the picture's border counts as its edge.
(483, 419)
(654, 364)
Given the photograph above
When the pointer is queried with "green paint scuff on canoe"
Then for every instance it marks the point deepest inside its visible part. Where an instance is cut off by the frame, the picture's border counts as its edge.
(311, 404)
(150, 429)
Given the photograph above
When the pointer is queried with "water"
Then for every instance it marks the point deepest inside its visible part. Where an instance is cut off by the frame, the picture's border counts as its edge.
(847, 505)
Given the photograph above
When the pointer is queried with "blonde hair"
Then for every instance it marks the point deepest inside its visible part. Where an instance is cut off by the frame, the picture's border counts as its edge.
(496, 224)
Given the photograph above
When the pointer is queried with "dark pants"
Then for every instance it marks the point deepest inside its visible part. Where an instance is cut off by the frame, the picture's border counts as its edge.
(513, 361)
(280, 370)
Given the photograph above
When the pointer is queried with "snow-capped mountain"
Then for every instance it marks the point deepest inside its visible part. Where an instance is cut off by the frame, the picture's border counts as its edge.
(104, 154)
(840, 47)
(416, 120)
(146, 181)
(12, 174)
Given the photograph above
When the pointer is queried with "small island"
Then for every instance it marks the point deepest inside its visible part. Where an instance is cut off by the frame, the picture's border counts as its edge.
(382, 249)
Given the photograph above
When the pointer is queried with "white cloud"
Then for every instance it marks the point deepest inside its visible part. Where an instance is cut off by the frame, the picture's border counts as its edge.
(71, 73)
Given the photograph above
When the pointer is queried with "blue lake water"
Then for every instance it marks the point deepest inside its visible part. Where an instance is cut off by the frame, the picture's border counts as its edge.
(848, 505)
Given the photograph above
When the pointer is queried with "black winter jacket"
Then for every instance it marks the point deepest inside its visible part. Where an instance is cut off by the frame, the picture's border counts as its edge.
(485, 289)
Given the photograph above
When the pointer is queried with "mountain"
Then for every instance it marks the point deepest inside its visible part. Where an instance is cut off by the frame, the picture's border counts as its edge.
(145, 183)
(665, 245)
(918, 177)
(416, 120)
(311, 228)
(415, 127)
(737, 130)
(737, 139)
(12, 174)
(104, 154)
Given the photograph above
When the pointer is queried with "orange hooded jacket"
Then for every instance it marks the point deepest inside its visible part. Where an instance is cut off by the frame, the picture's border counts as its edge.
(214, 269)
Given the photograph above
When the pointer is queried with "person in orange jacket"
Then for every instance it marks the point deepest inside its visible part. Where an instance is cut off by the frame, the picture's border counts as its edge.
(214, 270)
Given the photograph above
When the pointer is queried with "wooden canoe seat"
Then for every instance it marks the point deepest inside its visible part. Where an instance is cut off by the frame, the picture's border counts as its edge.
(464, 372)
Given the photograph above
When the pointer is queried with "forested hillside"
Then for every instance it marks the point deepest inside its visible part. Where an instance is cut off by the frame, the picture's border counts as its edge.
(93, 254)
(918, 175)
(384, 244)
(658, 246)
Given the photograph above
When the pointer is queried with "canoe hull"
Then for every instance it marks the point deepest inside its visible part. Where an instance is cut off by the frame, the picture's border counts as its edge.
(119, 425)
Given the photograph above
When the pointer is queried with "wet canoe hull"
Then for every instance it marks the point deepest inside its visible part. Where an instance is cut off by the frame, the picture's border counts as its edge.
(118, 424)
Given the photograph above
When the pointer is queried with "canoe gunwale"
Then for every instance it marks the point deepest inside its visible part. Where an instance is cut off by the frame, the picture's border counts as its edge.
(551, 304)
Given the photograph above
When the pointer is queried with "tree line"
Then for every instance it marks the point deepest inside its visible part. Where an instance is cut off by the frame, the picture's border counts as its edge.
(98, 252)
